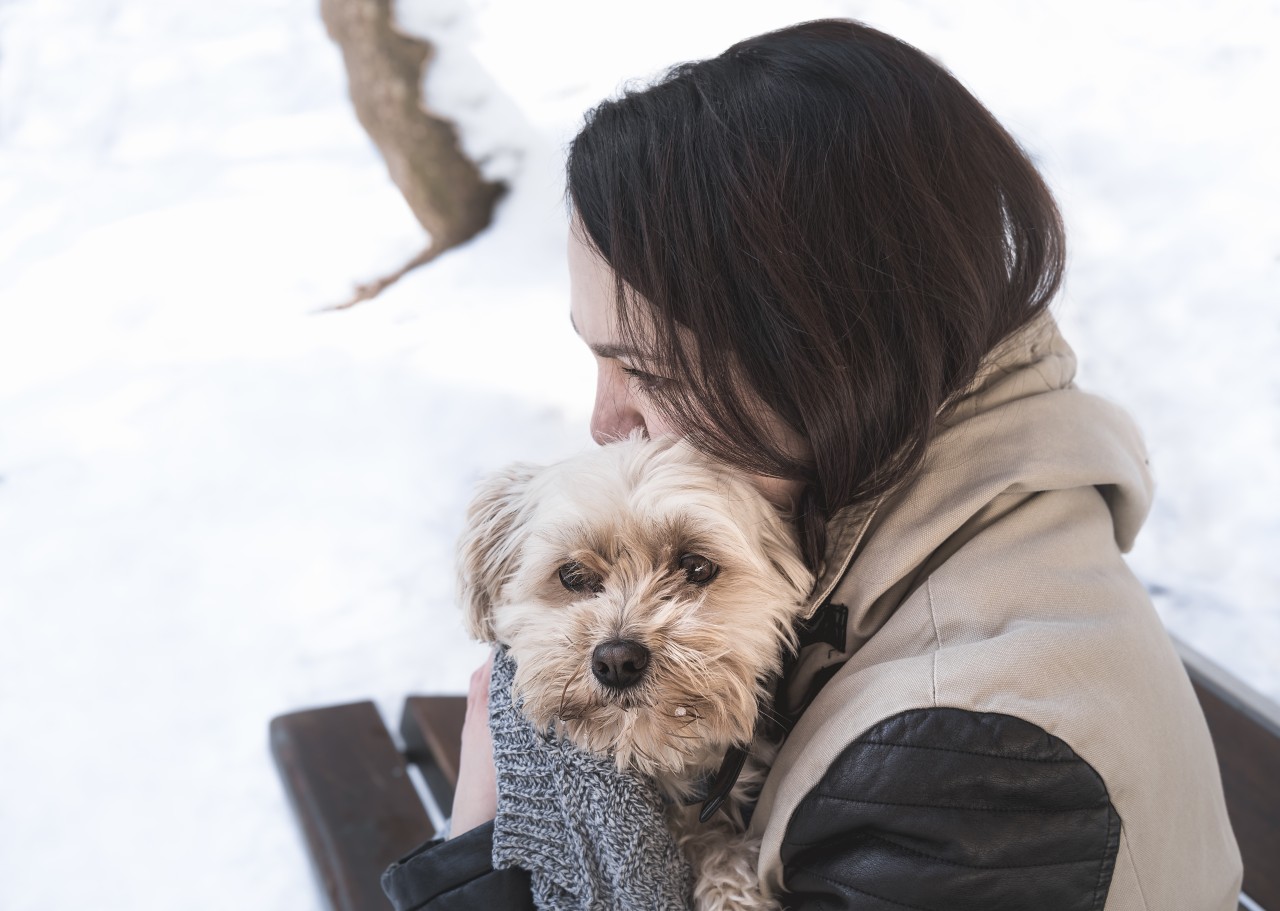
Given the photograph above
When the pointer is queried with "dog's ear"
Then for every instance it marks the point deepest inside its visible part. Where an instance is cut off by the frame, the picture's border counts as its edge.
(490, 544)
(784, 554)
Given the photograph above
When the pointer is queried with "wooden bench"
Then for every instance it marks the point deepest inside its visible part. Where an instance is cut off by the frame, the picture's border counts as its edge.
(350, 784)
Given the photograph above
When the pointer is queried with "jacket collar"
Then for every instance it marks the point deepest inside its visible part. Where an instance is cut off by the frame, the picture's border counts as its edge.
(848, 526)
(1020, 426)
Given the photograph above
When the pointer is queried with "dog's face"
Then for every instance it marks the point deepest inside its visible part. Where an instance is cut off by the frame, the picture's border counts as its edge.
(645, 593)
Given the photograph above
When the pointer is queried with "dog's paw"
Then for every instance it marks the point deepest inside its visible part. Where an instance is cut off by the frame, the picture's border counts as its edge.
(725, 876)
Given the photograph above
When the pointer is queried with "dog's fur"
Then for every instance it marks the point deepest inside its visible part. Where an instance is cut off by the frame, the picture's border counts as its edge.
(626, 514)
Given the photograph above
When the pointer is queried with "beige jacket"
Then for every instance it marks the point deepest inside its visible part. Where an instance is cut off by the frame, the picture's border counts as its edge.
(995, 583)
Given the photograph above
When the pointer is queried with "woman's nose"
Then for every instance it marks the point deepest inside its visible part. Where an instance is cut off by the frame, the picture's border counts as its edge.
(615, 413)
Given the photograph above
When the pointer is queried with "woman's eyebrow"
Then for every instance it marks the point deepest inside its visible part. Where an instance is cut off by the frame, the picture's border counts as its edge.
(608, 351)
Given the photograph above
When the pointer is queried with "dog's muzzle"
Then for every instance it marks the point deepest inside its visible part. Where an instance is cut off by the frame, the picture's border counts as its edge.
(619, 663)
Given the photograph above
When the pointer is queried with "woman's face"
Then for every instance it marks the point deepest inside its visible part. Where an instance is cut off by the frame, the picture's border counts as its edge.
(623, 378)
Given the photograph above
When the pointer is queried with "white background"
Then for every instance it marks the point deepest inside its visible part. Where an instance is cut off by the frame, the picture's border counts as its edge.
(218, 504)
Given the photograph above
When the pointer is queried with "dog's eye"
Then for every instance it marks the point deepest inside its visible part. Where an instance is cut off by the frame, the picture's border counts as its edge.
(698, 569)
(577, 578)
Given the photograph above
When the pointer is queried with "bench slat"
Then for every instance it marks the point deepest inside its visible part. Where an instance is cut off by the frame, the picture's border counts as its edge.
(352, 797)
(1245, 726)
(431, 727)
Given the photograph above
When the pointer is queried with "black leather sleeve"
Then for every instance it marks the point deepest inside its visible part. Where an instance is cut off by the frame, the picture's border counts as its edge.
(947, 810)
(456, 875)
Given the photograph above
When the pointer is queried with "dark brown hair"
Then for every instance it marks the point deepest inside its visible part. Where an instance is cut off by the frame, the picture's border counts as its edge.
(832, 218)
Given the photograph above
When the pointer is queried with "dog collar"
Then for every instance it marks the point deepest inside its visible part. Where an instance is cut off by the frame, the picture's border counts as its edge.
(722, 783)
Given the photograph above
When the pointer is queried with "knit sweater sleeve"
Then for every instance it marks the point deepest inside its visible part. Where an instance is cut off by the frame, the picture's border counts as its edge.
(591, 836)
(572, 833)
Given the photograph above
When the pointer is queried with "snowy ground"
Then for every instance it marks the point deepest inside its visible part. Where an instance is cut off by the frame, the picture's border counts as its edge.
(217, 504)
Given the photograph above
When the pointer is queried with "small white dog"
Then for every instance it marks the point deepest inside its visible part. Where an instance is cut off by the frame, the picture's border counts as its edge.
(647, 596)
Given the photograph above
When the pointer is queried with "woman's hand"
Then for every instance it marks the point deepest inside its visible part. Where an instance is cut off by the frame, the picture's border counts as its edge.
(475, 801)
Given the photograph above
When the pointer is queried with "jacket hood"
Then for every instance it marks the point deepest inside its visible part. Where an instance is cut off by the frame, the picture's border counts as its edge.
(1021, 427)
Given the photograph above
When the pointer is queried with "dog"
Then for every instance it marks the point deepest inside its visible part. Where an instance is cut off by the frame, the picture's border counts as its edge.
(648, 596)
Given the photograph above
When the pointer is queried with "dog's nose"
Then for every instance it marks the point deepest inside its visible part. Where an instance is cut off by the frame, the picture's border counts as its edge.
(619, 663)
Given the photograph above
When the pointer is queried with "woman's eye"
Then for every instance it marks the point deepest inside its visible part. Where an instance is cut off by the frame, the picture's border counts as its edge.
(577, 578)
(698, 569)
(647, 381)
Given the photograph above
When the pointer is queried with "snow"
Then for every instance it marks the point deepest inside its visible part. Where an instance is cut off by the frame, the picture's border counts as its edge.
(219, 502)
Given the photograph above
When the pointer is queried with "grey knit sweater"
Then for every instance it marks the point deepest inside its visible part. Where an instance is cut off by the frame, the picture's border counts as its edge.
(592, 838)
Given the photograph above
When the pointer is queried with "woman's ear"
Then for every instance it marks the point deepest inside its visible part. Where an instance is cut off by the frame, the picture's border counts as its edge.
(490, 544)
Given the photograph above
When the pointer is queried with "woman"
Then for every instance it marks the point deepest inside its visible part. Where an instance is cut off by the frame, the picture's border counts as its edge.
(820, 259)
